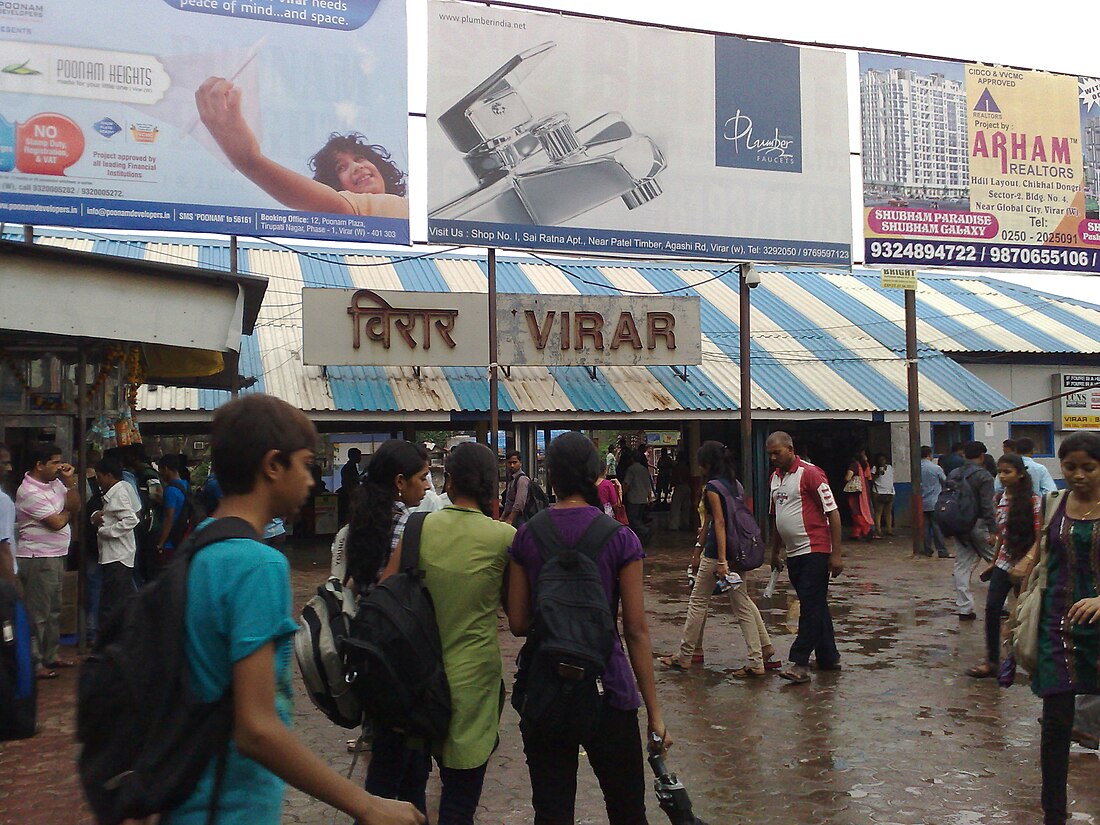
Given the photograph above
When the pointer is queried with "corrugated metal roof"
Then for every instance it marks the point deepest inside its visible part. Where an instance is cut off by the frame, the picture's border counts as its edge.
(822, 340)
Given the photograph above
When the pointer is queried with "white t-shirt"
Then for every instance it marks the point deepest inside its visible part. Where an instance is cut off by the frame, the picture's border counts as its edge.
(884, 480)
(7, 525)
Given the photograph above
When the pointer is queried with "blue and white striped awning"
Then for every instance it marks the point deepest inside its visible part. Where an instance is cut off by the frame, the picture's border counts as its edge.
(823, 341)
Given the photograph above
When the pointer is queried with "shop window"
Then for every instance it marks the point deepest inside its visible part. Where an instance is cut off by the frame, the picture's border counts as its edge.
(946, 433)
(1040, 432)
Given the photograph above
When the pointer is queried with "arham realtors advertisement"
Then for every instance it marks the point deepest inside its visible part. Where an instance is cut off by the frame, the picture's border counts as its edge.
(269, 117)
(551, 132)
(979, 166)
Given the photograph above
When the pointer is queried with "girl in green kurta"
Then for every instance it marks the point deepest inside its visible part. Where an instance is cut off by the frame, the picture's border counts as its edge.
(1069, 624)
(464, 556)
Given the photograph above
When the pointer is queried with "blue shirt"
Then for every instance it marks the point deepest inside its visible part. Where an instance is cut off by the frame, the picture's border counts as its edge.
(932, 479)
(238, 600)
(175, 499)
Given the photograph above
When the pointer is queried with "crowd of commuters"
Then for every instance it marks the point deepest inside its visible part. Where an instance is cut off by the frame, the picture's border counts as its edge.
(479, 555)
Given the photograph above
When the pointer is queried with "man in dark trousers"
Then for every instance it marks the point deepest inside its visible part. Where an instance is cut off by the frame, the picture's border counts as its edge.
(349, 480)
(975, 544)
(805, 522)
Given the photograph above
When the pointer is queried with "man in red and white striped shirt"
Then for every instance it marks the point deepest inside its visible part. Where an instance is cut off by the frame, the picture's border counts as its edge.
(44, 506)
(805, 521)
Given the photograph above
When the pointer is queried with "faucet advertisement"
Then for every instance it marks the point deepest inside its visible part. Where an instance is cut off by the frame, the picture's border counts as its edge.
(605, 138)
(270, 117)
(979, 166)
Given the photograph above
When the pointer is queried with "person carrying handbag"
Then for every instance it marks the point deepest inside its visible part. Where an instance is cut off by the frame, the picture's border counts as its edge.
(1068, 635)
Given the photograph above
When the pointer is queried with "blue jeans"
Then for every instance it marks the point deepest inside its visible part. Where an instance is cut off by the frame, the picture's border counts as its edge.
(460, 795)
(933, 535)
(810, 576)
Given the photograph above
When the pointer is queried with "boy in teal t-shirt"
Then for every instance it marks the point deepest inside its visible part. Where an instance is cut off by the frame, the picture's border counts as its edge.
(240, 630)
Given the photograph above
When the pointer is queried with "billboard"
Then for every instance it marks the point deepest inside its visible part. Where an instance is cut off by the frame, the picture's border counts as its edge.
(363, 327)
(979, 166)
(1078, 404)
(272, 117)
(551, 132)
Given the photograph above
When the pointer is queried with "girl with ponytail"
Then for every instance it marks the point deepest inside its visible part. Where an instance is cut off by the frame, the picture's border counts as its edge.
(710, 564)
(615, 749)
(1018, 528)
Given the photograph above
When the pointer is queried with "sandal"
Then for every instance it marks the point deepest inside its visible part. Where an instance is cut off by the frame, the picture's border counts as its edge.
(45, 673)
(673, 663)
(982, 671)
(747, 672)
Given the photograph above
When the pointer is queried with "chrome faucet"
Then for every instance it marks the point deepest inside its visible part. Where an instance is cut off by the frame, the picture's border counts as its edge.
(540, 170)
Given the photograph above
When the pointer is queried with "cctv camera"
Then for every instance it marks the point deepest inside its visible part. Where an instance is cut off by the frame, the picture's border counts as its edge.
(751, 276)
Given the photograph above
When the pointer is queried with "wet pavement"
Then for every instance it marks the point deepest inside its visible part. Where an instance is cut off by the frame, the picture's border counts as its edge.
(899, 736)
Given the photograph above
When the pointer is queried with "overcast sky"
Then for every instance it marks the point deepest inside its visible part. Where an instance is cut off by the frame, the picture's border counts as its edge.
(1050, 38)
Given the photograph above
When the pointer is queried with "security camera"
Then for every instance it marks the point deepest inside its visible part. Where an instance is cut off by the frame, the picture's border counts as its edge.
(751, 276)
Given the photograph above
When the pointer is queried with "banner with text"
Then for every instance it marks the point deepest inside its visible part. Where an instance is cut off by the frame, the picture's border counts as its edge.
(1078, 404)
(552, 132)
(363, 327)
(979, 166)
(272, 117)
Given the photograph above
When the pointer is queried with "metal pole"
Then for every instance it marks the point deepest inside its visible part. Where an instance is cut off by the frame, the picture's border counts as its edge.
(82, 482)
(494, 412)
(916, 501)
(745, 322)
(235, 378)
(28, 234)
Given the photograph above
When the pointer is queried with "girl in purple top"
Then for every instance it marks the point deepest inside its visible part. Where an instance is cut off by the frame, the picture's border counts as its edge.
(615, 749)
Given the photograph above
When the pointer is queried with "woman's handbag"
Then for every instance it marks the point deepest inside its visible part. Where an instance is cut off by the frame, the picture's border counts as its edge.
(1029, 606)
(854, 484)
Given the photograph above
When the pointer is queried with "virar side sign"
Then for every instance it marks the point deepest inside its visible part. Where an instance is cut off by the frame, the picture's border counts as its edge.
(349, 327)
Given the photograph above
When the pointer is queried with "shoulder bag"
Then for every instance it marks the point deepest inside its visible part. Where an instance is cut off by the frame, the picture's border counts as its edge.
(1025, 628)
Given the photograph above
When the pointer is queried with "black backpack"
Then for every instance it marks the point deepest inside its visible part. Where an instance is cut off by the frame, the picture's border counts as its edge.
(559, 689)
(18, 687)
(393, 656)
(537, 500)
(146, 739)
(956, 510)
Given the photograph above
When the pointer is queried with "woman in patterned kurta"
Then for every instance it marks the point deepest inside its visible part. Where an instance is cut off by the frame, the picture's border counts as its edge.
(1069, 629)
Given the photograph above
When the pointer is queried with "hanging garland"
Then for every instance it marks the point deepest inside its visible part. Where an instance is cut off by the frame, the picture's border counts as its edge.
(135, 376)
(42, 401)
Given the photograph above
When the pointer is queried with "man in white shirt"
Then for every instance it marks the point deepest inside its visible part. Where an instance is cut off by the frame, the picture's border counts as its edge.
(115, 525)
(44, 505)
(7, 522)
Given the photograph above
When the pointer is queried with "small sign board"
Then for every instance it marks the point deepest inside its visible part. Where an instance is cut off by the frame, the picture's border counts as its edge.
(899, 278)
(1078, 404)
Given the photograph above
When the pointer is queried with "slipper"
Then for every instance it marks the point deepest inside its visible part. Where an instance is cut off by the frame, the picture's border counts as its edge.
(747, 672)
(982, 671)
(795, 675)
(61, 663)
(45, 673)
(672, 663)
(772, 664)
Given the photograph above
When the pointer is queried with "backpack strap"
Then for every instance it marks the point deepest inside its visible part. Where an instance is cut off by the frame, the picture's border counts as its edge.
(410, 542)
(222, 529)
(591, 542)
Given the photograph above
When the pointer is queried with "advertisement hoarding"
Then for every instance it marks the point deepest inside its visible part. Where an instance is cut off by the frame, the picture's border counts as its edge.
(273, 117)
(1080, 408)
(551, 132)
(979, 166)
(362, 327)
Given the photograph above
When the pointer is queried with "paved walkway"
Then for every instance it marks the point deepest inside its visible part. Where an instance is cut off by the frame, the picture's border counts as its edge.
(899, 736)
